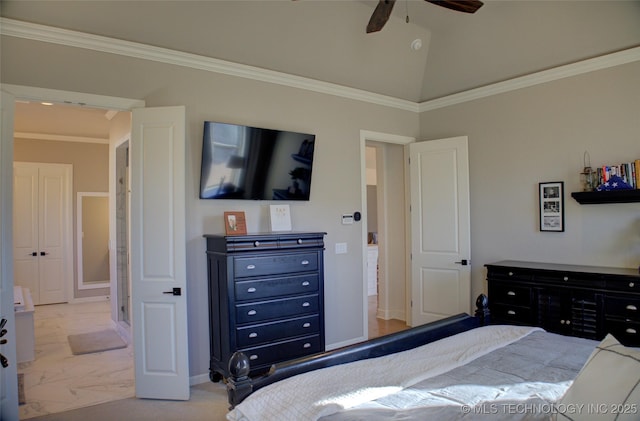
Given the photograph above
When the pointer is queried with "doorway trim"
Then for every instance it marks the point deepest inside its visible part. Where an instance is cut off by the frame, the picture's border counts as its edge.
(372, 136)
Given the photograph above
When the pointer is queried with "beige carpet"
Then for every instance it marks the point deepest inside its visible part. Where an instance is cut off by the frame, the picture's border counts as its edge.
(103, 340)
(208, 402)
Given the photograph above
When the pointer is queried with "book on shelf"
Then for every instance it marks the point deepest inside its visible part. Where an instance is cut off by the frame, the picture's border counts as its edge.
(629, 172)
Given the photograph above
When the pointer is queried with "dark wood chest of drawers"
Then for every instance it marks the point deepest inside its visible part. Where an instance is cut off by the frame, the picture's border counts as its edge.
(584, 301)
(265, 298)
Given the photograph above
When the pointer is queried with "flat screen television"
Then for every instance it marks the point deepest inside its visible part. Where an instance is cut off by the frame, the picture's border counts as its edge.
(242, 162)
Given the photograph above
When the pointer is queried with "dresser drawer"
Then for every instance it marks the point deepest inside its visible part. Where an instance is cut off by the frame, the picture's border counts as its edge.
(625, 331)
(269, 332)
(281, 351)
(510, 314)
(588, 280)
(623, 283)
(621, 306)
(272, 287)
(277, 309)
(274, 264)
(510, 294)
(506, 273)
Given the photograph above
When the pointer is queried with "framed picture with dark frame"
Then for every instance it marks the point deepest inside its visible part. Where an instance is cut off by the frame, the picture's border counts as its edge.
(552, 206)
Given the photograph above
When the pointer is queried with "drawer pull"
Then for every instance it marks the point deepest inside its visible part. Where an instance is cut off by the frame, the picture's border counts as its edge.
(631, 284)
(631, 330)
(566, 278)
(253, 357)
(511, 313)
(306, 324)
(251, 267)
(304, 262)
(511, 293)
(305, 284)
(252, 312)
(252, 289)
(256, 243)
(253, 335)
(561, 322)
(299, 241)
(306, 304)
(632, 307)
(510, 273)
(306, 345)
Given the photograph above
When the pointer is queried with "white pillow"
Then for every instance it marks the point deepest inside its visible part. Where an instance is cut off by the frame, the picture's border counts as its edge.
(607, 387)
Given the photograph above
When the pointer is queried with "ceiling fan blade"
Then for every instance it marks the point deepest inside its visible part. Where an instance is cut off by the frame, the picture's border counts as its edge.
(466, 6)
(380, 15)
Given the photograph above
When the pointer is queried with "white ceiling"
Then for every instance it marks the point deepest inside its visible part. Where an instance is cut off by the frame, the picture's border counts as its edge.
(326, 40)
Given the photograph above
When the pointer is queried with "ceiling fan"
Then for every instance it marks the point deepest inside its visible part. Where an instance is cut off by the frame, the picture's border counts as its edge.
(383, 10)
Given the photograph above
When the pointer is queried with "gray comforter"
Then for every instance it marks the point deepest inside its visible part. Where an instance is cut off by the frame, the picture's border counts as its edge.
(520, 381)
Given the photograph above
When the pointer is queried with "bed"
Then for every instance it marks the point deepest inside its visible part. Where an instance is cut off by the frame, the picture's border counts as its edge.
(461, 367)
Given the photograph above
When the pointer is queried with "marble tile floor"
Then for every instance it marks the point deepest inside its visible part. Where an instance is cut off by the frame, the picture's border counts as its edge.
(57, 380)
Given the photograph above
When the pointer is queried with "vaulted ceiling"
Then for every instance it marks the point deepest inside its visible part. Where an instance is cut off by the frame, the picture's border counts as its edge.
(326, 40)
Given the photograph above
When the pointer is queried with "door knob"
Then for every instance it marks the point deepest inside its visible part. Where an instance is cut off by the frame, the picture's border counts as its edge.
(174, 291)
(463, 262)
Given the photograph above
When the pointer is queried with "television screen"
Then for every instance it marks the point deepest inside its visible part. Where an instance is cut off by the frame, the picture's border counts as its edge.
(241, 162)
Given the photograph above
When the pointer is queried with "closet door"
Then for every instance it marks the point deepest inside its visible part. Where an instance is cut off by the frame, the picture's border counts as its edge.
(41, 230)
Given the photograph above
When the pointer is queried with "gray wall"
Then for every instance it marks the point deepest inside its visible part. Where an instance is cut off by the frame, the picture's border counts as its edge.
(538, 134)
(515, 141)
(336, 188)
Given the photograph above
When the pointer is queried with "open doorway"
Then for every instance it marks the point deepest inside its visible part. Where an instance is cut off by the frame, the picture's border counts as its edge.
(385, 239)
(79, 137)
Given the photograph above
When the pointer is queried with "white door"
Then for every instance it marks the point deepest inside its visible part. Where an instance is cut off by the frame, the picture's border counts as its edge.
(440, 237)
(8, 374)
(158, 243)
(42, 230)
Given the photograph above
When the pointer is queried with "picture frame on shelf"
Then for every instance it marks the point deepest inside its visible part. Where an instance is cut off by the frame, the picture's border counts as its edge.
(551, 206)
(235, 223)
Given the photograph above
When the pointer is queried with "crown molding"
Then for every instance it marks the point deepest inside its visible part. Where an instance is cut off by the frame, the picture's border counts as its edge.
(569, 70)
(59, 138)
(26, 30)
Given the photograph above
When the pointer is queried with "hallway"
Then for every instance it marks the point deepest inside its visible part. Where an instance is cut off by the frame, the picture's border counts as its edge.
(58, 381)
(381, 327)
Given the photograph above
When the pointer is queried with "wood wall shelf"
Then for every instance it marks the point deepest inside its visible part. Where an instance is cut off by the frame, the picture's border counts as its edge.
(612, 196)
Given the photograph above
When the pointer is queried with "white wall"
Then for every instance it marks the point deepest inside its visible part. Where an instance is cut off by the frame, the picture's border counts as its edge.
(538, 134)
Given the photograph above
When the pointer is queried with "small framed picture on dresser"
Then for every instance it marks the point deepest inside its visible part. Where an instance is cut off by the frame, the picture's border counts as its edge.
(552, 206)
(235, 223)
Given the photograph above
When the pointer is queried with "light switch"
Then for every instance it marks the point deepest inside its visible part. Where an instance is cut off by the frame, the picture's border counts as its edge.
(341, 248)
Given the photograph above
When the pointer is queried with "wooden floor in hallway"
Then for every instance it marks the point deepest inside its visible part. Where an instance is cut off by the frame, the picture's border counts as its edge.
(381, 327)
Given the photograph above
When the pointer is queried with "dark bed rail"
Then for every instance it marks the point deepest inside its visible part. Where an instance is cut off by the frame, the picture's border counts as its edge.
(240, 385)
